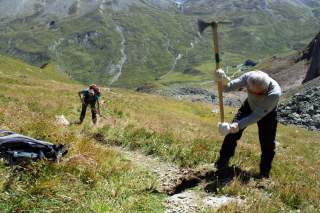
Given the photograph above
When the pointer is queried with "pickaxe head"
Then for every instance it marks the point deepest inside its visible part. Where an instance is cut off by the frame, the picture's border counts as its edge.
(202, 25)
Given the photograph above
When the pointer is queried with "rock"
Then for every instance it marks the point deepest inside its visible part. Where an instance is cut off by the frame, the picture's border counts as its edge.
(87, 39)
(193, 91)
(316, 118)
(197, 202)
(61, 120)
(147, 88)
(51, 24)
(250, 63)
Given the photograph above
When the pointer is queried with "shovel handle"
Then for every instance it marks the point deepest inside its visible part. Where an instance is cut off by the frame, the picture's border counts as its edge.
(217, 58)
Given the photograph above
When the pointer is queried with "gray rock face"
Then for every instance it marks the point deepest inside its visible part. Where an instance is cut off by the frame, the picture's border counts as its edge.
(302, 110)
(86, 39)
(36, 58)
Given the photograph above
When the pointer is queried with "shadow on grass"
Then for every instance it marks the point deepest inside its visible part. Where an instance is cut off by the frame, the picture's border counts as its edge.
(213, 179)
(219, 179)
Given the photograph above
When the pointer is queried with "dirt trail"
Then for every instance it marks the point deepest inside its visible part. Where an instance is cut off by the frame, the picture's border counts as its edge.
(178, 183)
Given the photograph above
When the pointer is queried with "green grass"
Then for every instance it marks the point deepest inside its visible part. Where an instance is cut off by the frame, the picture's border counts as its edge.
(186, 134)
(94, 177)
(91, 178)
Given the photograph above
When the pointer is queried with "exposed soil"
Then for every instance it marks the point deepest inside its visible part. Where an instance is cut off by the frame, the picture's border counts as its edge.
(179, 183)
(197, 201)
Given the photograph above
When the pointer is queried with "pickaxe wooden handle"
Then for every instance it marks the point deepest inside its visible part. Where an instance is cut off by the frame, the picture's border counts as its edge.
(202, 25)
(217, 59)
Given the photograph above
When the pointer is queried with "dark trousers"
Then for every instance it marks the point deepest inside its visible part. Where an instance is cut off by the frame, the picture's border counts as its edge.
(93, 111)
(267, 134)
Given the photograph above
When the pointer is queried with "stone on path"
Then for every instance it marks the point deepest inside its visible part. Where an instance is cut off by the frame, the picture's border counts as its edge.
(61, 120)
(196, 202)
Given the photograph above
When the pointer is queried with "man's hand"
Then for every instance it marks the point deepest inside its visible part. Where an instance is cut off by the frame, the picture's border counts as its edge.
(234, 128)
(82, 100)
(224, 128)
(220, 75)
(227, 128)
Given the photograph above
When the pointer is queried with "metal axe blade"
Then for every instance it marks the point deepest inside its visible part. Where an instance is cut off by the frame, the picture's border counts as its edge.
(202, 25)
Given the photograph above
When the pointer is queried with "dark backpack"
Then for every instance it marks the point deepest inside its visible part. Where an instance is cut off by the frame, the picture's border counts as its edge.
(16, 148)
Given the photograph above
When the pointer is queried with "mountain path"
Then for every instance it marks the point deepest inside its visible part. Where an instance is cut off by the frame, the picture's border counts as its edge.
(180, 184)
(185, 187)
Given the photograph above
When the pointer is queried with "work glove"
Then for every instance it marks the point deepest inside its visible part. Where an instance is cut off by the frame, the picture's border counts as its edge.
(227, 128)
(224, 128)
(220, 75)
(234, 128)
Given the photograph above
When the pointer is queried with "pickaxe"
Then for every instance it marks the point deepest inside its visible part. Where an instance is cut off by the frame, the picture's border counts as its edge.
(202, 25)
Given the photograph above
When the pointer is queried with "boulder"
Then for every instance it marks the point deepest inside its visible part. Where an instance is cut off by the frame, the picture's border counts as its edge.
(61, 120)
(250, 63)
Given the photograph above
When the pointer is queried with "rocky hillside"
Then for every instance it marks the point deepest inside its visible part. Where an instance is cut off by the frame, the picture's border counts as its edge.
(127, 43)
(285, 70)
(303, 109)
(295, 68)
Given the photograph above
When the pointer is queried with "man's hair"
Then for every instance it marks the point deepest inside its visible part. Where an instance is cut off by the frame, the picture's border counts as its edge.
(93, 86)
(259, 78)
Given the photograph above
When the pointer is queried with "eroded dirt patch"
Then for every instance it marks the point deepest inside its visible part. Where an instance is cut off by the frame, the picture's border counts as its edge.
(196, 202)
(177, 182)
(172, 179)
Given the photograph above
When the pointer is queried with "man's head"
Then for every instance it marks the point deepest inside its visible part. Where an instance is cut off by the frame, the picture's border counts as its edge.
(258, 83)
(93, 86)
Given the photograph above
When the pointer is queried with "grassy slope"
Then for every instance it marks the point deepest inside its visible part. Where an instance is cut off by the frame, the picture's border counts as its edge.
(91, 178)
(95, 177)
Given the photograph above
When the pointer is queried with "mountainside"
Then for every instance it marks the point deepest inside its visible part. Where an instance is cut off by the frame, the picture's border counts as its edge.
(167, 142)
(294, 70)
(128, 43)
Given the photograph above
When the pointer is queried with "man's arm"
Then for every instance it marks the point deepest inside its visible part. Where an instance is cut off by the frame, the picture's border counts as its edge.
(236, 83)
(269, 103)
(98, 104)
(81, 96)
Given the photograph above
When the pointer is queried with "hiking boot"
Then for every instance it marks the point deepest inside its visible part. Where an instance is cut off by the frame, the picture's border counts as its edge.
(95, 121)
(264, 173)
(221, 165)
